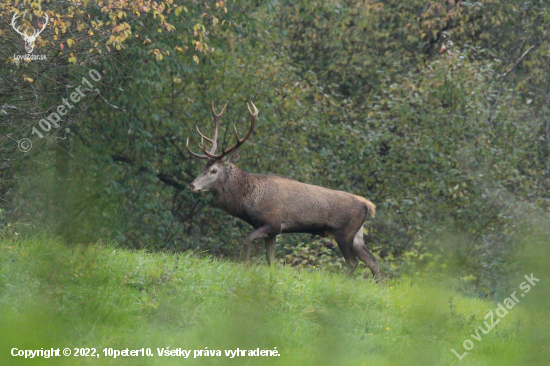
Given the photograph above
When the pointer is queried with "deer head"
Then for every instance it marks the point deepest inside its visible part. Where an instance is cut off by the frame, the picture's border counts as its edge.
(218, 166)
(29, 40)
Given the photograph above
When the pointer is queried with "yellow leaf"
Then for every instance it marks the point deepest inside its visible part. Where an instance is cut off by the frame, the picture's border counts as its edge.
(196, 59)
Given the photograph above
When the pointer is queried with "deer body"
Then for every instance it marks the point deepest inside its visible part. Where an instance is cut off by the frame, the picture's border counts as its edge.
(284, 204)
(274, 205)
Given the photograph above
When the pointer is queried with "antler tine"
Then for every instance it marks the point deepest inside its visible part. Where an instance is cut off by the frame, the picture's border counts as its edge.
(255, 114)
(236, 133)
(253, 118)
(221, 113)
(202, 136)
(194, 154)
(217, 118)
(209, 154)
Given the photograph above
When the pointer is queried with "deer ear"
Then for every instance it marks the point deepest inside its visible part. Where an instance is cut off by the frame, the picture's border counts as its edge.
(233, 157)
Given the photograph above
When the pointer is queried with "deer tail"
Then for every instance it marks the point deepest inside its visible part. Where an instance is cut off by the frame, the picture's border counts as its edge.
(370, 206)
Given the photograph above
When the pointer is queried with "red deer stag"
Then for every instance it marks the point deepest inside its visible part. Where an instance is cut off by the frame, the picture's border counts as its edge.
(275, 205)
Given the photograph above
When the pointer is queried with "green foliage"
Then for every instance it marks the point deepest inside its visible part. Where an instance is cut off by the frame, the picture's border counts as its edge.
(319, 254)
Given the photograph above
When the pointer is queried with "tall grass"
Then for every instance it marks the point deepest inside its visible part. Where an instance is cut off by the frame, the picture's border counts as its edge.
(54, 295)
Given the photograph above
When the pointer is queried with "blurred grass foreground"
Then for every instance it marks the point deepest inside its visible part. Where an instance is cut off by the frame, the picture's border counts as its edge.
(55, 295)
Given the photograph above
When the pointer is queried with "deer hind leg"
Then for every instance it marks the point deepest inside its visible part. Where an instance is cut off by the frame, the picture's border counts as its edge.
(365, 254)
(345, 245)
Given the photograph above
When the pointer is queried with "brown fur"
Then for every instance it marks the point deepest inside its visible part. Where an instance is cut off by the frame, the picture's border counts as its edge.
(275, 205)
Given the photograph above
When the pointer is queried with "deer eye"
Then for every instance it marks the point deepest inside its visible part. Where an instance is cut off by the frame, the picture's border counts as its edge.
(214, 171)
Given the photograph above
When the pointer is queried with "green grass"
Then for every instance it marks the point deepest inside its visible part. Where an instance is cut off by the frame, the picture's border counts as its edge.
(54, 295)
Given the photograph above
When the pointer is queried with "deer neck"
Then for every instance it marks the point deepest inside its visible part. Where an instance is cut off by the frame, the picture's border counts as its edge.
(232, 192)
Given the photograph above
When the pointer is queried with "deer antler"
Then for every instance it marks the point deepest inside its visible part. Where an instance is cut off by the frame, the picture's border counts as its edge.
(253, 118)
(214, 141)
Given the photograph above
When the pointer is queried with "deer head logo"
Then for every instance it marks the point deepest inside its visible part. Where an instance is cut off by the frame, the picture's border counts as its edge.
(29, 40)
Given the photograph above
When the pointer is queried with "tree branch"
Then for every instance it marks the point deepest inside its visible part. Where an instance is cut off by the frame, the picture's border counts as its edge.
(524, 55)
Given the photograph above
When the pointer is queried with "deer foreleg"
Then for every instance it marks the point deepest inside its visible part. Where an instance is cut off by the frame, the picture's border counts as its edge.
(260, 233)
(270, 245)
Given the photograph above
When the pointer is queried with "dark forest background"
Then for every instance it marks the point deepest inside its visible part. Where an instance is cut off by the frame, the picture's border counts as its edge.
(437, 111)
